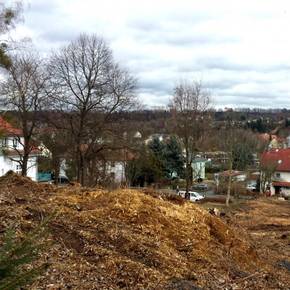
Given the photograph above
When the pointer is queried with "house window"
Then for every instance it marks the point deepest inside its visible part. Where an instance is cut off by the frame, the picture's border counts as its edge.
(4, 142)
(15, 143)
(278, 175)
(18, 169)
(112, 163)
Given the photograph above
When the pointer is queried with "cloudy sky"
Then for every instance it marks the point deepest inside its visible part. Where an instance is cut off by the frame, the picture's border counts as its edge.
(240, 49)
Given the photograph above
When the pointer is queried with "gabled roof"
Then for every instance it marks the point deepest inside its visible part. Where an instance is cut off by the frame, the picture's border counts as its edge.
(7, 129)
(279, 158)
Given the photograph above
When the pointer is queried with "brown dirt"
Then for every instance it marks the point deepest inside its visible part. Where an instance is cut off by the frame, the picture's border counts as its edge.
(267, 221)
(127, 239)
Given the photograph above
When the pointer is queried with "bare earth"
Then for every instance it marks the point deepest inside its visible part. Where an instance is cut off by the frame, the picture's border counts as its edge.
(267, 221)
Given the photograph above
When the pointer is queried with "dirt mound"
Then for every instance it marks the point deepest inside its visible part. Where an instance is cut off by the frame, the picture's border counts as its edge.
(127, 239)
(15, 187)
(164, 195)
(19, 198)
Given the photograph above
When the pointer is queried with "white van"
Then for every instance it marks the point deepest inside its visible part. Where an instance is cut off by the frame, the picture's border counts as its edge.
(194, 196)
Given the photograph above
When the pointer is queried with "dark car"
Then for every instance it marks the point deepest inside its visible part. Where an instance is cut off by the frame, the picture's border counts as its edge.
(200, 186)
(61, 180)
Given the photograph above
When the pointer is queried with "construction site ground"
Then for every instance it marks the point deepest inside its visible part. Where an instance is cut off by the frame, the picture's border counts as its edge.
(130, 239)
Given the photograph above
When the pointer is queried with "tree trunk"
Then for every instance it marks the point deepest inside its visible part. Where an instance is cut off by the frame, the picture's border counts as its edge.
(25, 158)
(26, 150)
(229, 183)
(188, 181)
(79, 164)
(229, 191)
(82, 169)
(56, 169)
(24, 164)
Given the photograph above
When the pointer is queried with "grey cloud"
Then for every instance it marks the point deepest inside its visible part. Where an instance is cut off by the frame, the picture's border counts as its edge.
(257, 96)
(242, 101)
(169, 18)
(228, 65)
(156, 86)
(41, 7)
(145, 25)
(180, 39)
(261, 98)
(61, 36)
(221, 84)
(155, 100)
(178, 36)
(179, 32)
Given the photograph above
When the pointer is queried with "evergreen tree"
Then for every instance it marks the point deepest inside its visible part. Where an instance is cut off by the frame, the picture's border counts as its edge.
(145, 169)
(173, 158)
(157, 149)
(9, 15)
(17, 256)
(160, 160)
(242, 156)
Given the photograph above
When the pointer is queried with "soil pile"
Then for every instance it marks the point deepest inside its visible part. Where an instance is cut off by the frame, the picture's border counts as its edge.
(127, 239)
(16, 188)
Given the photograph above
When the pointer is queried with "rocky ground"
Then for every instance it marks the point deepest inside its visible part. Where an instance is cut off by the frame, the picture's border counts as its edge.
(128, 239)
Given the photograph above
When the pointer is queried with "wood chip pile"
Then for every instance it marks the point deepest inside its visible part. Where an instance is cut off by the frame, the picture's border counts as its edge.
(127, 239)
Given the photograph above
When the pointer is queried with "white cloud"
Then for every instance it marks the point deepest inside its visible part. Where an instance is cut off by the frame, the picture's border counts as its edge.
(240, 49)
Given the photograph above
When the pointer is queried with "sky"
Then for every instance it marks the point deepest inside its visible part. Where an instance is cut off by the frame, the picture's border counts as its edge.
(238, 49)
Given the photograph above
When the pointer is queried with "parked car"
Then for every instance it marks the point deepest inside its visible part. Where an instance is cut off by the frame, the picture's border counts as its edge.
(285, 194)
(62, 180)
(194, 196)
(251, 186)
(200, 186)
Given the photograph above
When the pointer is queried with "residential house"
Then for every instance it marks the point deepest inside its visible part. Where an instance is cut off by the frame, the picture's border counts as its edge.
(234, 174)
(113, 165)
(198, 168)
(278, 161)
(160, 137)
(217, 158)
(11, 145)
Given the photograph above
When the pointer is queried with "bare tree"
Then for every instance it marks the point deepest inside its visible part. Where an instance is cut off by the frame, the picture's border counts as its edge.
(190, 105)
(24, 90)
(57, 141)
(229, 140)
(240, 146)
(91, 86)
(267, 170)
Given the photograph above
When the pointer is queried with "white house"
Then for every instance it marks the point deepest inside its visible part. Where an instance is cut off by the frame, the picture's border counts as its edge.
(113, 165)
(116, 169)
(198, 168)
(11, 150)
(277, 162)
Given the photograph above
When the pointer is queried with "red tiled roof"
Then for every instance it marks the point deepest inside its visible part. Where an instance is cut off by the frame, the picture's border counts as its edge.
(7, 129)
(277, 157)
(281, 183)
